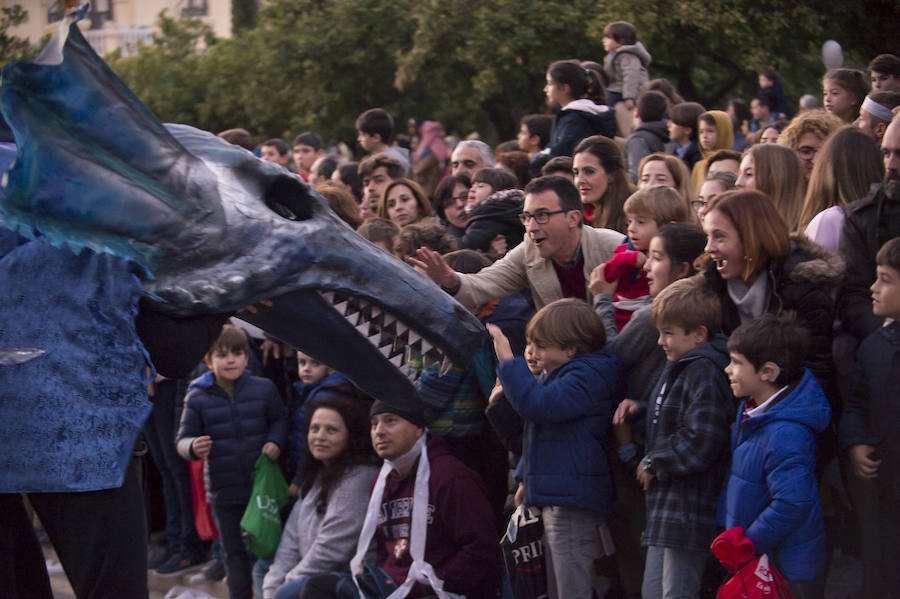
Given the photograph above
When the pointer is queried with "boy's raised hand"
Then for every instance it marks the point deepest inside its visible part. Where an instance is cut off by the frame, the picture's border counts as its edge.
(501, 343)
(201, 446)
(271, 450)
(863, 466)
(496, 393)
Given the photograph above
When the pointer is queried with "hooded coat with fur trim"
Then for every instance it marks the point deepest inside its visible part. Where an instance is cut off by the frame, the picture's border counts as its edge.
(803, 284)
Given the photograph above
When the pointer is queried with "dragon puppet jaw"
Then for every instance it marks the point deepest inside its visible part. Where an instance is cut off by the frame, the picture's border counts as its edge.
(214, 227)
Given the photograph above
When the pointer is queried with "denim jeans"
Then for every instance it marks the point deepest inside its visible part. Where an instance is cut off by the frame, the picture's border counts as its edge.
(291, 589)
(159, 430)
(237, 561)
(672, 573)
(569, 547)
(260, 569)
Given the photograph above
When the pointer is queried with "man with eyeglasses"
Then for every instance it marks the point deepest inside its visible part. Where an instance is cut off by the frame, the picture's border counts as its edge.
(554, 261)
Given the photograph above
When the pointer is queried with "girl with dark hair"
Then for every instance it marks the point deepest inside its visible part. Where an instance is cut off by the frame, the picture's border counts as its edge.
(339, 465)
(602, 182)
(347, 175)
(844, 91)
(671, 257)
(571, 87)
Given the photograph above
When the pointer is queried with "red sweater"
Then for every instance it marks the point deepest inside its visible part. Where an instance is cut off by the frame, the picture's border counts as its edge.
(632, 280)
(461, 542)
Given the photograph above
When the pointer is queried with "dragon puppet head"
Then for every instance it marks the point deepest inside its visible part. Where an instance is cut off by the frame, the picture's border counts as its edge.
(212, 226)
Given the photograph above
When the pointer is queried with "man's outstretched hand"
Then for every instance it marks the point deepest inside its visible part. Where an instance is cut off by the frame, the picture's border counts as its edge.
(433, 265)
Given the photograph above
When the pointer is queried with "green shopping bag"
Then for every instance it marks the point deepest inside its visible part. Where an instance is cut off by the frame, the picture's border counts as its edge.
(262, 519)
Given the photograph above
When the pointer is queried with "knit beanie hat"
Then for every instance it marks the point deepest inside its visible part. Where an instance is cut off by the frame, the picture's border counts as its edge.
(409, 411)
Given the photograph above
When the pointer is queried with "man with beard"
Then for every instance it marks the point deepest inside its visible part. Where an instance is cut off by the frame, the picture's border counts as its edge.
(870, 223)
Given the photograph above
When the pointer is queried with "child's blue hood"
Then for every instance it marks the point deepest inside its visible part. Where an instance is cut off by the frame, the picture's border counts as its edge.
(204, 381)
(805, 404)
(305, 390)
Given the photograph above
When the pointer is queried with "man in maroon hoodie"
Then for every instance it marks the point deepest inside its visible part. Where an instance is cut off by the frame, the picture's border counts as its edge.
(461, 551)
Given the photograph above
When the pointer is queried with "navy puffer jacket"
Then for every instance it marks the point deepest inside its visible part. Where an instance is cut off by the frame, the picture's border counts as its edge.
(568, 416)
(239, 426)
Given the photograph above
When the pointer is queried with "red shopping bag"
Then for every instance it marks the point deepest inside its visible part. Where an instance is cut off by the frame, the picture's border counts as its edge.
(203, 518)
(758, 579)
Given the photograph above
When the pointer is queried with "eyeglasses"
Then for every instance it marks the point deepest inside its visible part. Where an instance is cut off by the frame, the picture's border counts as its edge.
(541, 218)
(698, 205)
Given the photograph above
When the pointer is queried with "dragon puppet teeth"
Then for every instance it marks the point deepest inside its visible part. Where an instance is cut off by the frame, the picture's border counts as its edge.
(393, 338)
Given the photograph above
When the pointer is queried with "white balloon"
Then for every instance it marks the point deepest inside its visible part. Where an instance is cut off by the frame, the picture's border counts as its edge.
(832, 54)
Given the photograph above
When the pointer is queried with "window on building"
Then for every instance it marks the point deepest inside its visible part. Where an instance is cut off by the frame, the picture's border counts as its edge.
(193, 8)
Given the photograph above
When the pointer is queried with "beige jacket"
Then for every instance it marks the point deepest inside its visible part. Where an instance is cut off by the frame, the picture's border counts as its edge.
(524, 267)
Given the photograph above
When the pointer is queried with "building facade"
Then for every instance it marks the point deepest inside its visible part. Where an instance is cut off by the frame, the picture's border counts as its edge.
(120, 24)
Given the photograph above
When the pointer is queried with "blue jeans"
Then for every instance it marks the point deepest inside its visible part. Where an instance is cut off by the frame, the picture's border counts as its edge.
(291, 589)
(570, 536)
(159, 430)
(672, 573)
(237, 561)
(260, 569)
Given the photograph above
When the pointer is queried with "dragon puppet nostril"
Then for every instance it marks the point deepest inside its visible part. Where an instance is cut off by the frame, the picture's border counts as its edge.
(289, 198)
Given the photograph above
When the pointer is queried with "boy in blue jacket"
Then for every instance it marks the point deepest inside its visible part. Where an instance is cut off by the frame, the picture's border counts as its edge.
(772, 492)
(870, 432)
(567, 416)
(687, 439)
(230, 417)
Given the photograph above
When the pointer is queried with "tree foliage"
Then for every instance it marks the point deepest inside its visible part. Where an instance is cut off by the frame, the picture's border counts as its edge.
(474, 65)
(14, 48)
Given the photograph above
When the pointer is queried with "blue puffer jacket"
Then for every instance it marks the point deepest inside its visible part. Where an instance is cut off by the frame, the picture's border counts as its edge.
(772, 490)
(568, 416)
(239, 426)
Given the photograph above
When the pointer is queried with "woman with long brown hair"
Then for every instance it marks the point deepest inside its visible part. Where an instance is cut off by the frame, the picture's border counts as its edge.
(602, 182)
(845, 169)
(775, 171)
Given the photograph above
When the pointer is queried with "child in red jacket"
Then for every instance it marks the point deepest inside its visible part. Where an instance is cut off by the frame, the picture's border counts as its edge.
(646, 210)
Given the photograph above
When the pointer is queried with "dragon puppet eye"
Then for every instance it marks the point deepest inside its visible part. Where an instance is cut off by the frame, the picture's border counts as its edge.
(289, 198)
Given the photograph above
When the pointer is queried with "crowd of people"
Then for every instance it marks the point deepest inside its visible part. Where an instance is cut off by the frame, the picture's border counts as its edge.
(692, 318)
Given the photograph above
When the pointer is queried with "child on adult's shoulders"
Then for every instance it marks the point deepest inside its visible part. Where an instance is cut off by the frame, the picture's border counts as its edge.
(772, 493)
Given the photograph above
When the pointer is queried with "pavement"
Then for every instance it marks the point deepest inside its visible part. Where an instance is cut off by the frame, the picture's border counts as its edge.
(844, 580)
(158, 585)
